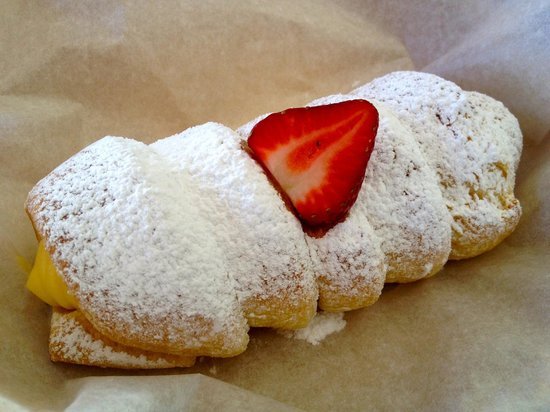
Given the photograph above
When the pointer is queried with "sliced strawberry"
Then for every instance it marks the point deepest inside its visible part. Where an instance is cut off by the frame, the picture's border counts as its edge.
(318, 157)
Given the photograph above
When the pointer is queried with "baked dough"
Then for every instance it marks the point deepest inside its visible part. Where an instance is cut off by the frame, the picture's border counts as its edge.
(401, 200)
(263, 244)
(172, 250)
(74, 340)
(125, 234)
(347, 261)
(471, 141)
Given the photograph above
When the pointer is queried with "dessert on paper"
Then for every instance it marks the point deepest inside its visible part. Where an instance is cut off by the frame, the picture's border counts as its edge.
(152, 255)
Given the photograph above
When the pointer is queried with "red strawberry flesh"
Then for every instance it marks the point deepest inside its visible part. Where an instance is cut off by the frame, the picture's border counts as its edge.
(318, 157)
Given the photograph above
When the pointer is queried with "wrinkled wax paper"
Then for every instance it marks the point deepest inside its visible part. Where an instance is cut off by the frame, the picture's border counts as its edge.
(475, 337)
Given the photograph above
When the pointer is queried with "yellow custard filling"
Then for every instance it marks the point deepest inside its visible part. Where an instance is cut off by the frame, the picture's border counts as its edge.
(46, 283)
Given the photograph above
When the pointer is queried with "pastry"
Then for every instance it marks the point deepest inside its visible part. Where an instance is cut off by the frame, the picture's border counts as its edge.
(318, 157)
(125, 235)
(153, 255)
(274, 280)
(401, 200)
(471, 141)
(73, 339)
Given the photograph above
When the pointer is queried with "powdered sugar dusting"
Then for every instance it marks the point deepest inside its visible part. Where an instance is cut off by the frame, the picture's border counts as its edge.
(348, 262)
(401, 199)
(322, 325)
(70, 342)
(461, 136)
(135, 250)
(169, 247)
(263, 242)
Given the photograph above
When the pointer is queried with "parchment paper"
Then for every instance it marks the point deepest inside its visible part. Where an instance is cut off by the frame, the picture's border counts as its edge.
(475, 337)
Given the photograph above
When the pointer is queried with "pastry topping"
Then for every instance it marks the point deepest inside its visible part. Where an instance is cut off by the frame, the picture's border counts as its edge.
(317, 156)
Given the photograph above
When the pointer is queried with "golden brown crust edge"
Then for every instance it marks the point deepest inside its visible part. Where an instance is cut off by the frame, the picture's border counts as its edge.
(74, 340)
(482, 239)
